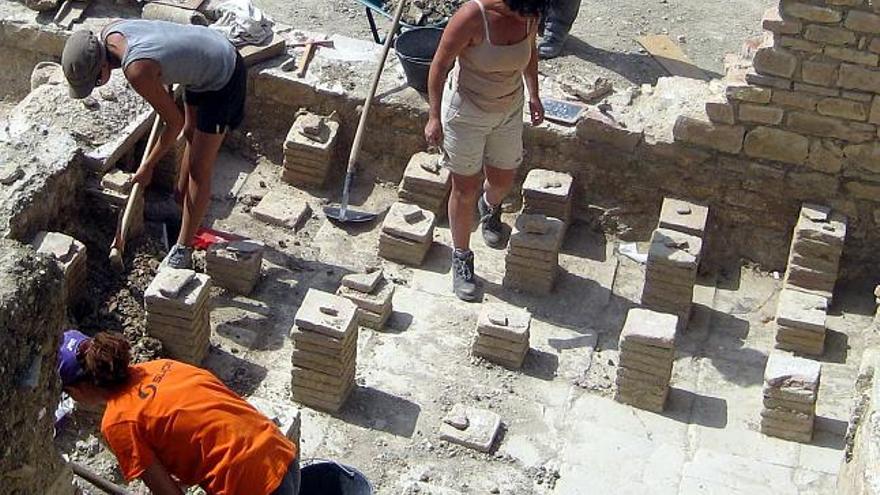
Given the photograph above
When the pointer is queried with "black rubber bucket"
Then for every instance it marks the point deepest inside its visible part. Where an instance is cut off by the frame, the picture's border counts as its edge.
(415, 49)
(332, 478)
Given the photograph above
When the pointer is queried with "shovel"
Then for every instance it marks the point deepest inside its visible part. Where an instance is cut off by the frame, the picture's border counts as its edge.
(341, 212)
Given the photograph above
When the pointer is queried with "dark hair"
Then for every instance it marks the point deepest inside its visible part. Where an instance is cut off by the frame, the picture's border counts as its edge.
(529, 7)
(105, 359)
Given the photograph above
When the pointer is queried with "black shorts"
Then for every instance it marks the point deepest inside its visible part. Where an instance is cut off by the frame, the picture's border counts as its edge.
(222, 110)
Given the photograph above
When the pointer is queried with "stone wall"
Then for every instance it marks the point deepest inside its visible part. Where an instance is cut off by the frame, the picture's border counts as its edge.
(32, 312)
(860, 472)
(805, 110)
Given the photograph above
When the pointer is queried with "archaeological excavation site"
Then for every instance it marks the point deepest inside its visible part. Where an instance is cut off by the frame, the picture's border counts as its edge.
(683, 298)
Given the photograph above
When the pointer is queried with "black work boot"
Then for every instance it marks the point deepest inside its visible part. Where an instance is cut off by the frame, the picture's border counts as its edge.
(464, 283)
(550, 47)
(491, 226)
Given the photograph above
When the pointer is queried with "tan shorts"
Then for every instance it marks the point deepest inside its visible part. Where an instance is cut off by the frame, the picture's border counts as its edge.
(472, 137)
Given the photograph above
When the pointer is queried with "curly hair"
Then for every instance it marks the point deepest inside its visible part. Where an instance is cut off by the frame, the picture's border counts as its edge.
(105, 359)
(530, 7)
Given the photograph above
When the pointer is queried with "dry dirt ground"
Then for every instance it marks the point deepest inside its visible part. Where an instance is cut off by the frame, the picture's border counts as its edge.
(603, 37)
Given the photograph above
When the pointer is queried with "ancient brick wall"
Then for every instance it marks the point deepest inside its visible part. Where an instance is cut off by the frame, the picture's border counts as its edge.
(806, 111)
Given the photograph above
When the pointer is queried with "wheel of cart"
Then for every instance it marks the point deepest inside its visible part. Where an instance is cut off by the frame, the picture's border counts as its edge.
(378, 6)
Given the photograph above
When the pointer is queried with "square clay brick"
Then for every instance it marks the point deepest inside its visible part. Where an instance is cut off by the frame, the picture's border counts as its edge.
(324, 141)
(670, 247)
(409, 222)
(117, 180)
(279, 208)
(802, 310)
(648, 327)
(187, 302)
(793, 374)
(424, 172)
(327, 314)
(540, 182)
(683, 216)
(474, 428)
(505, 322)
(362, 282)
(60, 246)
(820, 224)
(537, 232)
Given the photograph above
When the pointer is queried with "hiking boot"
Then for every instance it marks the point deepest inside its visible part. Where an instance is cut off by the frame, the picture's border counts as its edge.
(550, 47)
(491, 226)
(179, 256)
(464, 283)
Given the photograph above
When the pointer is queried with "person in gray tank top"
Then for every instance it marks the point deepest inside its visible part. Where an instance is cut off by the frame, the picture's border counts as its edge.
(154, 55)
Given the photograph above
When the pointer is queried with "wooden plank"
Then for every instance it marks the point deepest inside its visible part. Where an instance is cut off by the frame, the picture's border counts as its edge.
(253, 54)
(668, 54)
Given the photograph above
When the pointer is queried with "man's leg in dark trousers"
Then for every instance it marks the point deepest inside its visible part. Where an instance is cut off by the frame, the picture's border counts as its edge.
(560, 18)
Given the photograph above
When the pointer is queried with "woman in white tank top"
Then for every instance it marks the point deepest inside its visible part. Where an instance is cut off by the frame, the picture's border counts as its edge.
(476, 94)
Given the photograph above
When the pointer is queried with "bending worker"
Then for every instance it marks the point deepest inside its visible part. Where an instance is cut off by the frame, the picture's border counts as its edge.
(153, 54)
(476, 116)
(166, 420)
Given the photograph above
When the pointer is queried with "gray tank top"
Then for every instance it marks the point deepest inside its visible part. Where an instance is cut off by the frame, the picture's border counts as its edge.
(196, 57)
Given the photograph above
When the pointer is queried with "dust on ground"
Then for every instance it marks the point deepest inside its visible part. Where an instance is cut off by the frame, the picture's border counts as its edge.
(603, 39)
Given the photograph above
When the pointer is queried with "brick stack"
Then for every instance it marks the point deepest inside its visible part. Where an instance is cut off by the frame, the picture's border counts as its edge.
(372, 294)
(425, 183)
(407, 234)
(683, 216)
(548, 193)
(800, 322)
(70, 255)
(324, 351)
(532, 261)
(309, 149)
(816, 246)
(235, 265)
(503, 335)
(178, 313)
(647, 351)
(791, 387)
(671, 272)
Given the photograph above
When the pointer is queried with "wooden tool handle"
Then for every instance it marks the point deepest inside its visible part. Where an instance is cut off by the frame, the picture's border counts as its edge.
(359, 134)
(96, 480)
(303, 65)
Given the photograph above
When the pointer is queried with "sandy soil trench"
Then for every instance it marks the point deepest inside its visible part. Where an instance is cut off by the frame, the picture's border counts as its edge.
(562, 431)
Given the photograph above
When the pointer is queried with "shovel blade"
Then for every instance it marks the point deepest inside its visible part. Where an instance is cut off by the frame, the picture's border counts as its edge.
(348, 216)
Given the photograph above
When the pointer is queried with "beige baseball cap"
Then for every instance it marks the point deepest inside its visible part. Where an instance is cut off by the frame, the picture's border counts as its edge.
(82, 60)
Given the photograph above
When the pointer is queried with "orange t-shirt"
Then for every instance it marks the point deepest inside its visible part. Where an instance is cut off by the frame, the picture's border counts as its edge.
(199, 430)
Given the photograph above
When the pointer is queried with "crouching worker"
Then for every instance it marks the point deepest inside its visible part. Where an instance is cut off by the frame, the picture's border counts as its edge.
(152, 54)
(168, 422)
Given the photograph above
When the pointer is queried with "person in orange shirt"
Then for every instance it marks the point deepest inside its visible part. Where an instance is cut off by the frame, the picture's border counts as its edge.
(169, 422)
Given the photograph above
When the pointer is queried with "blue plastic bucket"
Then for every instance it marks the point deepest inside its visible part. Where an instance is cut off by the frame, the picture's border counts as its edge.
(332, 478)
